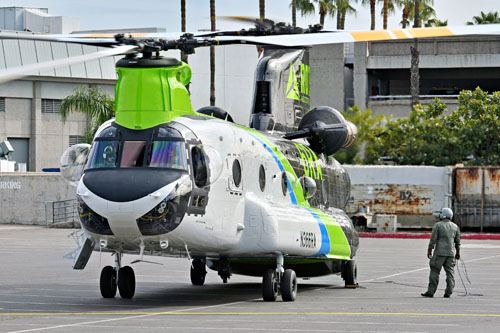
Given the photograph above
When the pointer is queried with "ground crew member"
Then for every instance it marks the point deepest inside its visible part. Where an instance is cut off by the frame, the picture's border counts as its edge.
(446, 240)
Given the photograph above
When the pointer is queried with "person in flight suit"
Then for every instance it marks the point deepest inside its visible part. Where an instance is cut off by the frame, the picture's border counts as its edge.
(446, 240)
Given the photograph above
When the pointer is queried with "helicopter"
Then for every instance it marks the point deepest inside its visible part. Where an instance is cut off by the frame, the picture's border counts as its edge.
(161, 179)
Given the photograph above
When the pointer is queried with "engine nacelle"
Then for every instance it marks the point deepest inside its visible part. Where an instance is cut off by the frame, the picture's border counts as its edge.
(330, 130)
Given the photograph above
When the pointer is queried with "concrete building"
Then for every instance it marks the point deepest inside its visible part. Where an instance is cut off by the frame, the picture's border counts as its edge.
(381, 71)
(36, 20)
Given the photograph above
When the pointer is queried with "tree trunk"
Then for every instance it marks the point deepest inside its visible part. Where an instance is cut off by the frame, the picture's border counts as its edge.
(342, 19)
(416, 21)
(414, 74)
(386, 10)
(294, 13)
(184, 56)
(322, 19)
(212, 55)
(262, 9)
(339, 18)
(372, 12)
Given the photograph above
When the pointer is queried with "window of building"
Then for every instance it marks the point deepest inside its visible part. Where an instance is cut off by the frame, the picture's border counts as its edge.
(76, 139)
(2, 104)
(51, 105)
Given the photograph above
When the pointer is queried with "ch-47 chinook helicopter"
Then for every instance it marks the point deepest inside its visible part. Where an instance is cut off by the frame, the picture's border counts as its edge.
(162, 179)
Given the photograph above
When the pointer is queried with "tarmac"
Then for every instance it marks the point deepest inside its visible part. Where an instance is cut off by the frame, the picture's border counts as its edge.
(39, 291)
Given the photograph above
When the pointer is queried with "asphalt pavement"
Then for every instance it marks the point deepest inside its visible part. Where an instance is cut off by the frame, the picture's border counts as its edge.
(39, 291)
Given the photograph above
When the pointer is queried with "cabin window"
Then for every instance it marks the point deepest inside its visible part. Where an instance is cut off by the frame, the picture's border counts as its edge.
(284, 183)
(262, 178)
(108, 132)
(200, 169)
(168, 154)
(133, 154)
(236, 173)
(103, 154)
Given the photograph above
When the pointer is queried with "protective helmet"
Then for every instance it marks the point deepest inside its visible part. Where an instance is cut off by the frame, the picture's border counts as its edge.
(108, 152)
(446, 214)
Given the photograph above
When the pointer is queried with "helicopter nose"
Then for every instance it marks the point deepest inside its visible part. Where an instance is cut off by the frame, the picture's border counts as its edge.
(122, 185)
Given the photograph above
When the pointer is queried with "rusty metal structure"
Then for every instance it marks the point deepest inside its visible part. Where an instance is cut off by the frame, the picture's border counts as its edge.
(416, 193)
(477, 196)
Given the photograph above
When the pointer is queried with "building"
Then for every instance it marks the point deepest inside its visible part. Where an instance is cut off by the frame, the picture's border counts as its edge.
(36, 20)
(381, 71)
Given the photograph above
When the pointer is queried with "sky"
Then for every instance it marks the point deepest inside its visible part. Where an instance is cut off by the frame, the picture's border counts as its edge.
(117, 14)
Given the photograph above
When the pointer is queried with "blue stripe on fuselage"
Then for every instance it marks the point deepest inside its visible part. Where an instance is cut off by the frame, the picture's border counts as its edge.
(325, 238)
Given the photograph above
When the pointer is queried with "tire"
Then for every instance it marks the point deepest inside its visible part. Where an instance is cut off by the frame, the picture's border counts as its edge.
(126, 282)
(107, 282)
(289, 286)
(350, 274)
(269, 286)
(198, 272)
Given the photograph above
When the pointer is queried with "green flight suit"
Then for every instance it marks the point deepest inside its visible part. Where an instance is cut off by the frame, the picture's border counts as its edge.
(446, 240)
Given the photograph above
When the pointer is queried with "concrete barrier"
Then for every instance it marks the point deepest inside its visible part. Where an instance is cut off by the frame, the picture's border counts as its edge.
(23, 195)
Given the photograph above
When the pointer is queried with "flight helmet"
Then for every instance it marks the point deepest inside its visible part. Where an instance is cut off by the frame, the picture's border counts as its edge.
(446, 214)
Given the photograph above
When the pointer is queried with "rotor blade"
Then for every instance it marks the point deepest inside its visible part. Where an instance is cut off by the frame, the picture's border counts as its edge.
(21, 71)
(363, 36)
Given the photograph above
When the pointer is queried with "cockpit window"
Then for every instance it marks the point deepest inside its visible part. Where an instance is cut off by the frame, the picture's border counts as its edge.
(103, 154)
(168, 154)
(109, 132)
(168, 132)
(133, 154)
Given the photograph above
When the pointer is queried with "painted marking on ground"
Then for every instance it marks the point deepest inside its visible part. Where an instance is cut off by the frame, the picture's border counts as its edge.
(425, 268)
(178, 313)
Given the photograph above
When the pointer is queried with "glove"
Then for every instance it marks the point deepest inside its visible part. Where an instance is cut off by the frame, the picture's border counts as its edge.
(429, 254)
(457, 256)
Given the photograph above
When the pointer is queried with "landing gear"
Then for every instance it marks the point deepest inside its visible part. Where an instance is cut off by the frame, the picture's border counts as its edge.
(350, 274)
(288, 286)
(277, 281)
(270, 285)
(224, 269)
(198, 272)
(107, 282)
(124, 280)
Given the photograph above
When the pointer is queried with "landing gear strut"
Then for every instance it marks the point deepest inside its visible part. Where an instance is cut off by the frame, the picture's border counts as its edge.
(198, 272)
(224, 269)
(121, 277)
(279, 281)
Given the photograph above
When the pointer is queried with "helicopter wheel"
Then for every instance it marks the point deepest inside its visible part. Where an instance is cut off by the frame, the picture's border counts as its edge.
(107, 282)
(126, 282)
(270, 285)
(288, 286)
(350, 274)
(198, 272)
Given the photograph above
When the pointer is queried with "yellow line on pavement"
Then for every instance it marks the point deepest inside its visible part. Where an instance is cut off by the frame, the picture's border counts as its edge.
(253, 314)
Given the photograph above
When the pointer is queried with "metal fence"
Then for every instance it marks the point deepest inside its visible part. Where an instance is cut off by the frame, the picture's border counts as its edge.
(61, 212)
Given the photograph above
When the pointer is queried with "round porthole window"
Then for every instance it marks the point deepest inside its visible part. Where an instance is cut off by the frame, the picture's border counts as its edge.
(237, 173)
(262, 178)
(284, 183)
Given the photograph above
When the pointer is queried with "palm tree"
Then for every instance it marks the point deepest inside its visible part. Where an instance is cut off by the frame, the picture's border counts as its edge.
(293, 4)
(94, 102)
(325, 7)
(372, 11)
(262, 9)
(212, 55)
(414, 75)
(435, 22)
(490, 18)
(343, 7)
(385, 11)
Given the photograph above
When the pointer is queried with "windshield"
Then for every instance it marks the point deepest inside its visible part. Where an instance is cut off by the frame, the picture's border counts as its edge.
(168, 154)
(103, 155)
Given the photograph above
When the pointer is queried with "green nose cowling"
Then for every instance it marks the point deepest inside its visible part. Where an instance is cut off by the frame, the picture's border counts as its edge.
(150, 96)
